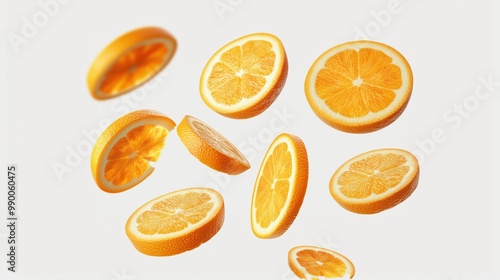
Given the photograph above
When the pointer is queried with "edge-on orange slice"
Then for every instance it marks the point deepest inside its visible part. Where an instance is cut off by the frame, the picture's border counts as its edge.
(210, 147)
(314, 263)
(244, 77)
(280, 186)
(129, 61)
(122, 154)
(375, 181)
(359, 86)
(176, 222)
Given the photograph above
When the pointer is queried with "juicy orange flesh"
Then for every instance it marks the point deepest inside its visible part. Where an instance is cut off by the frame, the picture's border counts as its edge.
(133, 68)
(320, 263)
(355, 83)
(214, 139)
(129, 158)
(273, 185)
(241, 72)
(373, 175)
(174, 213)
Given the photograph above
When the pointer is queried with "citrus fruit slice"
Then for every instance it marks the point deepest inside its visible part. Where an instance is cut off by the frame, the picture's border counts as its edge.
(176, 222)
(244, 77)
(314, 263)
(122, 154)
(280, 186)
(130, 61)
(359, 86)
(375, 181)
(210, 147)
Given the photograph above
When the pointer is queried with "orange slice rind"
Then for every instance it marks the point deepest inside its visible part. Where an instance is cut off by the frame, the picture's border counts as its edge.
(244, 77)
(315, 263)
(280, 187)
(176, 222)
(122, 154)
(130, 61)
(359, 86)
(210, 147)
(375, 181)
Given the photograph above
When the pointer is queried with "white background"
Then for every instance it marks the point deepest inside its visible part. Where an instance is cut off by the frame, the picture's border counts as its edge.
(70, 229)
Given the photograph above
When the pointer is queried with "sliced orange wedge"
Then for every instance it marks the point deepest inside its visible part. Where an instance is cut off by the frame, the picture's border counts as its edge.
(244, 77)
(210, 147)
(375, 181)
(280, 186)
(359, 86)
(122, 154)
(315, 263)
(130, 61)
(176, 222)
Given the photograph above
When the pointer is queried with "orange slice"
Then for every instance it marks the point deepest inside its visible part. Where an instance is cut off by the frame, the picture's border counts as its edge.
(280, 186)
(130, 61)
(375, 181)
(210, 147)
(122, 154)
(244, 77)
(359, 86)
(176, 222)
(314, 263)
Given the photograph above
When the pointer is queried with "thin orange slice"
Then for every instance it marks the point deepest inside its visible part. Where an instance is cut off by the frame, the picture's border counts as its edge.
(244, 77)
(359, 86)
(210, 147)
(375, 181)
(280, 186)
(176, 222)
(314, 263)
(130, 61)
(122, 154)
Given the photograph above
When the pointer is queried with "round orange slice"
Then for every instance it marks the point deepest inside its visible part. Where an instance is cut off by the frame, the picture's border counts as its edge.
(375, 181)
(314, 263)
(210, 147)
(129, 61)
(280, 186)
(176, 222)
(244, 77)
(122, 154)
(359, 86)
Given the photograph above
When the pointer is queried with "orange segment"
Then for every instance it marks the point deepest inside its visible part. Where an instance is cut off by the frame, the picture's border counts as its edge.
(244, 77)
(176, 222)
(130, 61)
(210, 147)
(122, 154)
(359, 86)
(375, 181)
(280, 186)
(311, 262)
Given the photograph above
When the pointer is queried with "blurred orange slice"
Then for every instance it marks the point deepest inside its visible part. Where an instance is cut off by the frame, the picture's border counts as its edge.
(244, 77)
(210, 147)
(280, 186)
(122, 154)
(375, 181)
(315, 263)
(359, 86)
(176, 222)
(130, 61)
